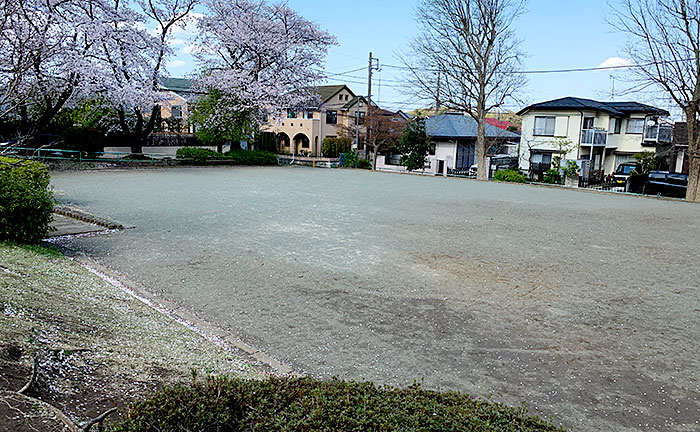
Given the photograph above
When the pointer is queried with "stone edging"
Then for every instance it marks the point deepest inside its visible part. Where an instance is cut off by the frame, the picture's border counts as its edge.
(216, 335)
(85, 217)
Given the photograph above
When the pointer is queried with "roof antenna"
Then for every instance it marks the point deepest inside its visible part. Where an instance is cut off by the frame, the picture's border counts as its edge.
(612, 91)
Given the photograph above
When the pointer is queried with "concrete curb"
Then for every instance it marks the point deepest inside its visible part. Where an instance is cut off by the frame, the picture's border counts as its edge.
(86, 217)
(216, 335)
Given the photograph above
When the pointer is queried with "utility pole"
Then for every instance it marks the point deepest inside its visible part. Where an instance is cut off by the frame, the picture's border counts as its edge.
(373, 65)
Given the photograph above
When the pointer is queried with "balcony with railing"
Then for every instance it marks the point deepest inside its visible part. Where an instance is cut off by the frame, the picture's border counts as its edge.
(594, 137)
(658, 134)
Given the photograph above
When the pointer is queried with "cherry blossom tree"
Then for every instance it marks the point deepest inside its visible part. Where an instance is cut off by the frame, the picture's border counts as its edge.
(132, 58)
(44, 57)
(266, 57)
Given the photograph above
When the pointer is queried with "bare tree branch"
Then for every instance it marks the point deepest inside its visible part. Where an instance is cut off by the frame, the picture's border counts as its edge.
(467, 58)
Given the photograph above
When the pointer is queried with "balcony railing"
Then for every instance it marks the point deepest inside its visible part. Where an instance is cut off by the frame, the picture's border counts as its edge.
(594, 137)
(659, 133)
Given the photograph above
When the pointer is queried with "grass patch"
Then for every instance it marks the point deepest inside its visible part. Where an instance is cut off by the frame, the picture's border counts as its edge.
(305, 404)
(45, 249)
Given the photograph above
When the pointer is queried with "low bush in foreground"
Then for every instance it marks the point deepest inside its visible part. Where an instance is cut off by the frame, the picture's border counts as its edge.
(510, 176)
(306, 404)
(202, 156)
(26, 202)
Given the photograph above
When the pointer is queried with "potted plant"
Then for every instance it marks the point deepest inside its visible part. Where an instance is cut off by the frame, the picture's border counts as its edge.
(571, 174)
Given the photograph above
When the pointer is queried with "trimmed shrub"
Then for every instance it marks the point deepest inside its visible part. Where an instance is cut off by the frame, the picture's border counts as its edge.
(84, 139)
(248, 157)
(306, 404)
(202, 156)
(552, 176)
(510, 176)
(334, 147)
(350, 160)
(199, 156)
(26, 202)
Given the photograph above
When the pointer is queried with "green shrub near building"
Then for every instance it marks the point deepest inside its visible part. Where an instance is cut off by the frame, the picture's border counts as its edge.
(307, 404)
(26, 201)
(510, 176)
(334, 147)
(552, 176)
(202, 156)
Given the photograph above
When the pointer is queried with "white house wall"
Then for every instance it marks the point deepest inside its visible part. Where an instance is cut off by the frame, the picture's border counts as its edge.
(568, 126)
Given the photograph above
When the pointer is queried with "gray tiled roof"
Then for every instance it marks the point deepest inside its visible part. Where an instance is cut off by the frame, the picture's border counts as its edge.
(458, 125)
(614, 108)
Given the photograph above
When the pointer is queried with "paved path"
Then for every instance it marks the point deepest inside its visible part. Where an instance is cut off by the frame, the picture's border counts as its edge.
(64, 225)
(585, 305)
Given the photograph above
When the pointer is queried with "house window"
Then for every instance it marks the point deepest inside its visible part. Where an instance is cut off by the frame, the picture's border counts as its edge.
(340, 97)
(291, 114)
(635, 126)
(346, 97)
(544, 126)
(332, 117)
(177, 111)
(309, 115)
(361, 118)
(615, 125)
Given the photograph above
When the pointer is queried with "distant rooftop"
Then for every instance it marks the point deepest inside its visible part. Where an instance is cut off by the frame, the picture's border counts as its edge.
(458, 125)
(177, 84)
(613, 108)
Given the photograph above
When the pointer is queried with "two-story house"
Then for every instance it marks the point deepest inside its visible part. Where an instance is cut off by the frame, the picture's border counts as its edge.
(600, 135)
(302, 130)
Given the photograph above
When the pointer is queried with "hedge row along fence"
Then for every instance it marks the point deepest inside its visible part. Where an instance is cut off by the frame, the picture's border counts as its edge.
(26, 201)
(202, 156)
(305, 404)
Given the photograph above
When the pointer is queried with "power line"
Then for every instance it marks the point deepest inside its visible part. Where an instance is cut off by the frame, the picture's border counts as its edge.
(551, 71)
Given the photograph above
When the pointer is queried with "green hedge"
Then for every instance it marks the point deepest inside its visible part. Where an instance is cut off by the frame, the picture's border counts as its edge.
(202, 156)
(26, 202)
(84, 139)
(510, 176)
(306, 404)
(334, 147)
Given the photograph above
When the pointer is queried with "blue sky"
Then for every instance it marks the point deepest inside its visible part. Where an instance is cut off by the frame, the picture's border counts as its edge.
(556, 35)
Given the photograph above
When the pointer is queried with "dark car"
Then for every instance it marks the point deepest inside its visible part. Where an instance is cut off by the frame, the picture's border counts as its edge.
(667, 184)
(622, 173)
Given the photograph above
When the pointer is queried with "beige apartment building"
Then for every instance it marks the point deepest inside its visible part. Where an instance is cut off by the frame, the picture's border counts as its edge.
(302, 131)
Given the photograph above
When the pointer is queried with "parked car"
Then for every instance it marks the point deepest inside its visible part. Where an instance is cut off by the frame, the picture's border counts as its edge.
(622, 173)
(667, 184)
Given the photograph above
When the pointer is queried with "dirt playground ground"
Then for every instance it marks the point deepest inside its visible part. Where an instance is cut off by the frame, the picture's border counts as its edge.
(584, 305)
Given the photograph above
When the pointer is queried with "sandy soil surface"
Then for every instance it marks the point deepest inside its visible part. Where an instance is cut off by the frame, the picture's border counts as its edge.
(585, 305)
(96, 347)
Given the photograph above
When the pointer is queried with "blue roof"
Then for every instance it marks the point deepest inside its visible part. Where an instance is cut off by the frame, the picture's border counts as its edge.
(458, 125)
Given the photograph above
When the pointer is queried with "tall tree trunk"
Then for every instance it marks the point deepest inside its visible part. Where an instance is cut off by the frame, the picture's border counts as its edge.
(693, 192)
(136, 137)
(482, 169)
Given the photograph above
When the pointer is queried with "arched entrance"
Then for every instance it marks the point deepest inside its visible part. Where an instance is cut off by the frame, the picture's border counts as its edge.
(283, 143)
(302, 144)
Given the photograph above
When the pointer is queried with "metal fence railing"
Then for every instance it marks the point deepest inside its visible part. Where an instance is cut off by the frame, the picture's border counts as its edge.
(81, 156)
